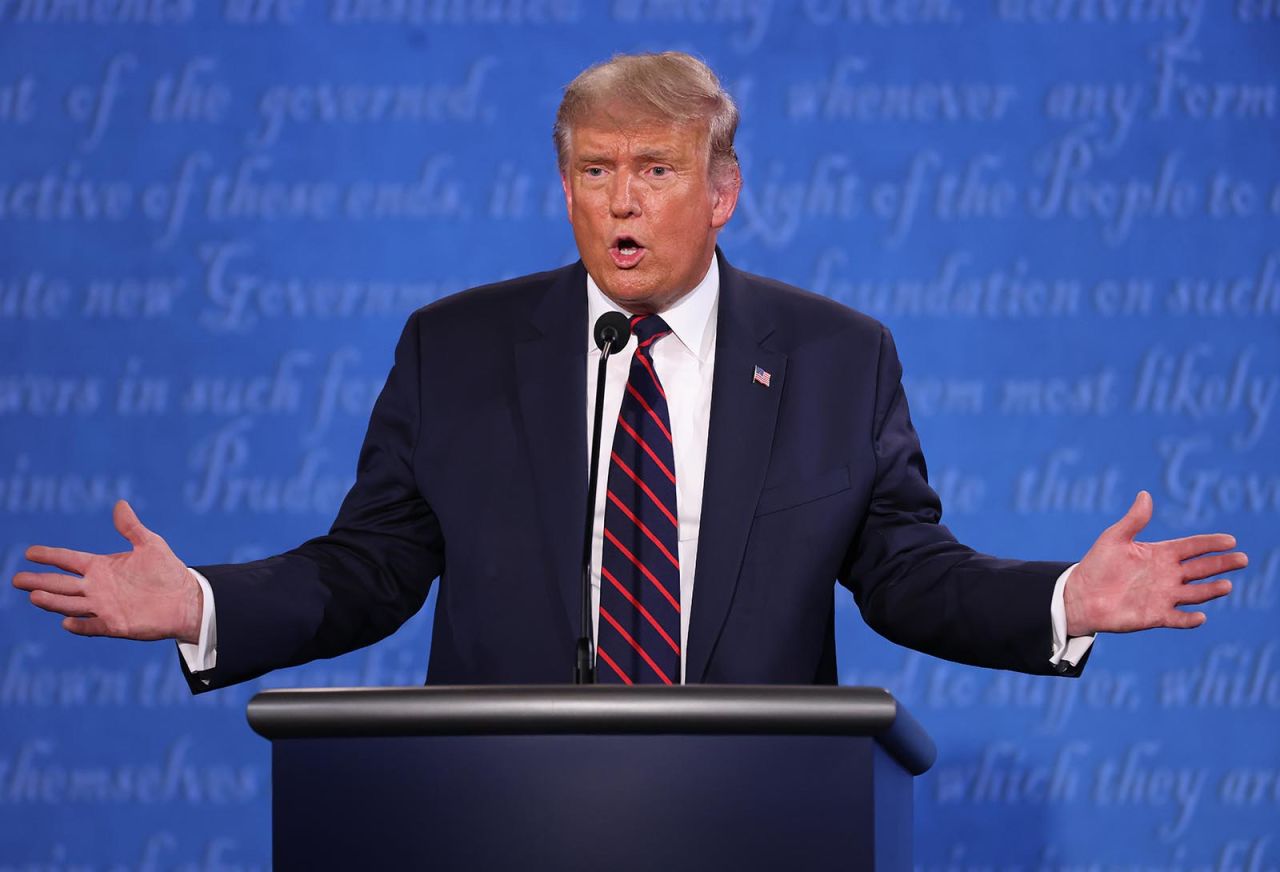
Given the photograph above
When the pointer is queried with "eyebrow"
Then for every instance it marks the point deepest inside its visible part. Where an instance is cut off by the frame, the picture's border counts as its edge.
(656, 155)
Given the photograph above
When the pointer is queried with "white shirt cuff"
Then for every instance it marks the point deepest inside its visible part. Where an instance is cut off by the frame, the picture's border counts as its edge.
(203, 654)
(1068, 651)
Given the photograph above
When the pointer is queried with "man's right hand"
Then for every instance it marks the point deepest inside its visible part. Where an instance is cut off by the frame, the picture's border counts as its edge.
(145, 593)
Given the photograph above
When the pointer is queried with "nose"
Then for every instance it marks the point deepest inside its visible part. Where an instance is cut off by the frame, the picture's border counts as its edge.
(622, 199)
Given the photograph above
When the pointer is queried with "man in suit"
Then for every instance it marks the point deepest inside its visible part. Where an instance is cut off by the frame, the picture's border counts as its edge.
(758, 449)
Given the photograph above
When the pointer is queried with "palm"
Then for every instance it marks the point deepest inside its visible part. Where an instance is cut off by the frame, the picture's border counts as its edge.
(1123, 585)
(145, 593)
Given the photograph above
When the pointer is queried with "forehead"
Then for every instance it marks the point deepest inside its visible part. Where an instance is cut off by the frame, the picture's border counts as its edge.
(614, 135)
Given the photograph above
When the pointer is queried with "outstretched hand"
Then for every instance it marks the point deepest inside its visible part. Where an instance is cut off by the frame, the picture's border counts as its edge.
(1123, 585)
(144, 593)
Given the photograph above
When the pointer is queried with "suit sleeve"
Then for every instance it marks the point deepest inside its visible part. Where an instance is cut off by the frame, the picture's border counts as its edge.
(358, 583)
(915, 584)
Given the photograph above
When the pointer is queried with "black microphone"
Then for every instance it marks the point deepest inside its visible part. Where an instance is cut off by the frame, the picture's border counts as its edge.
(612, 329)
(612, 332)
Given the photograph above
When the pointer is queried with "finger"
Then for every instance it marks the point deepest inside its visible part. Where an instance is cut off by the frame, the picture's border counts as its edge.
(63, 558)
(1214, 564)
(1179, 620)
(74, 606)
(53, 582)
(1194, 546)
(127, 523)
(1195, 594)
(86, 626)
(1137, 518)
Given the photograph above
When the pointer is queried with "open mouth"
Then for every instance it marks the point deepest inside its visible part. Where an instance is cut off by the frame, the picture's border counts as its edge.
(626, 252)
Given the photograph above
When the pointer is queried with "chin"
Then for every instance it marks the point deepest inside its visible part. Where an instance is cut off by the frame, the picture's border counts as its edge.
(627, 292)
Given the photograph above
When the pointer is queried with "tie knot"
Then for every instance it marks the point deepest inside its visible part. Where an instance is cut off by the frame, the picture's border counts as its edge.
(648, 327)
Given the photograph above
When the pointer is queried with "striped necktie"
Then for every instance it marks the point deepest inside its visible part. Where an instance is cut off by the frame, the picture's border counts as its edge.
(639, 627)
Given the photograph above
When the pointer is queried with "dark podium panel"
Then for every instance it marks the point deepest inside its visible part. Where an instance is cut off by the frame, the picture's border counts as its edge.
(591, 778)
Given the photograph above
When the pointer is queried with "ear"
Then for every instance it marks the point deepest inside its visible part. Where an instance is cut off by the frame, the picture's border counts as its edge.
(568, 196)
(724, 196)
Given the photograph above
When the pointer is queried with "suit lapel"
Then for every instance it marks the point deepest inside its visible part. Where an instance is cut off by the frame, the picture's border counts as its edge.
(551, 379)
(743, 416)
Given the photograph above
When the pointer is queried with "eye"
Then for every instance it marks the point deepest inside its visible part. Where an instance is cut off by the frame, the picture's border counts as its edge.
(661, 172)
(594, 172)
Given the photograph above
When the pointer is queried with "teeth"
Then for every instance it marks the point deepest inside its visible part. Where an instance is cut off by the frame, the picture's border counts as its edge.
(627, 249)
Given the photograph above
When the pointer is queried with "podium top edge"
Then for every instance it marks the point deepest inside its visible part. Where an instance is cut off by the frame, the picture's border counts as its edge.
(565, 709)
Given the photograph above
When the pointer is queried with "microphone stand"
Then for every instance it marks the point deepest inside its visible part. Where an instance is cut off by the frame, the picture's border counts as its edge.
(612, 329)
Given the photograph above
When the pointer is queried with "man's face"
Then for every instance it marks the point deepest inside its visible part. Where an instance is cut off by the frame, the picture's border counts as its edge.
(644, 211)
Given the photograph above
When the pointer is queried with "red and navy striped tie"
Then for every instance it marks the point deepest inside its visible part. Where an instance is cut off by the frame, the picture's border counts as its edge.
(639, 628)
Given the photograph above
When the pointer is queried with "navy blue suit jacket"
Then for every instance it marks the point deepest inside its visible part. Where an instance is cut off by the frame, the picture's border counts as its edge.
(474, 471)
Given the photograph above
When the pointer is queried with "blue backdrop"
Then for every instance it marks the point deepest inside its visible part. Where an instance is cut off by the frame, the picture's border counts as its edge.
(216, 216)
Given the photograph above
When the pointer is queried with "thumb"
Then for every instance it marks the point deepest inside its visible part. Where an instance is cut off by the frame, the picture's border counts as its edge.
(93, 626)
(1136, 519)
(128, 525)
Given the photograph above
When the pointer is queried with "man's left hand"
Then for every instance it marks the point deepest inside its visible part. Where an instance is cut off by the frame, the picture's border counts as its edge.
(1123, 585)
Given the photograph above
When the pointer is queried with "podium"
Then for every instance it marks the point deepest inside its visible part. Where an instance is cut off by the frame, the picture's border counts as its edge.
(592, 778)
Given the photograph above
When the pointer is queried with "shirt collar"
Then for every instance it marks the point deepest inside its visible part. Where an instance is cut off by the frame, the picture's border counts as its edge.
(689, 319)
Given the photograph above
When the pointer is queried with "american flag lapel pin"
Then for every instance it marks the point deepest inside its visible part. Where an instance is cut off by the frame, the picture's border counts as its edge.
(761, 377)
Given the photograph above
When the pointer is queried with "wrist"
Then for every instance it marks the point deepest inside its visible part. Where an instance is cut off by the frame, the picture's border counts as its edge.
(192, 613)
(1077, 621)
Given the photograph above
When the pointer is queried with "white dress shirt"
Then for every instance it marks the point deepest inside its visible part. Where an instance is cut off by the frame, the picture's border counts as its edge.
(685, 363)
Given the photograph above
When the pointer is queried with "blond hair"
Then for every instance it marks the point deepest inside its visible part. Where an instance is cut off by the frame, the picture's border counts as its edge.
(671, 86)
